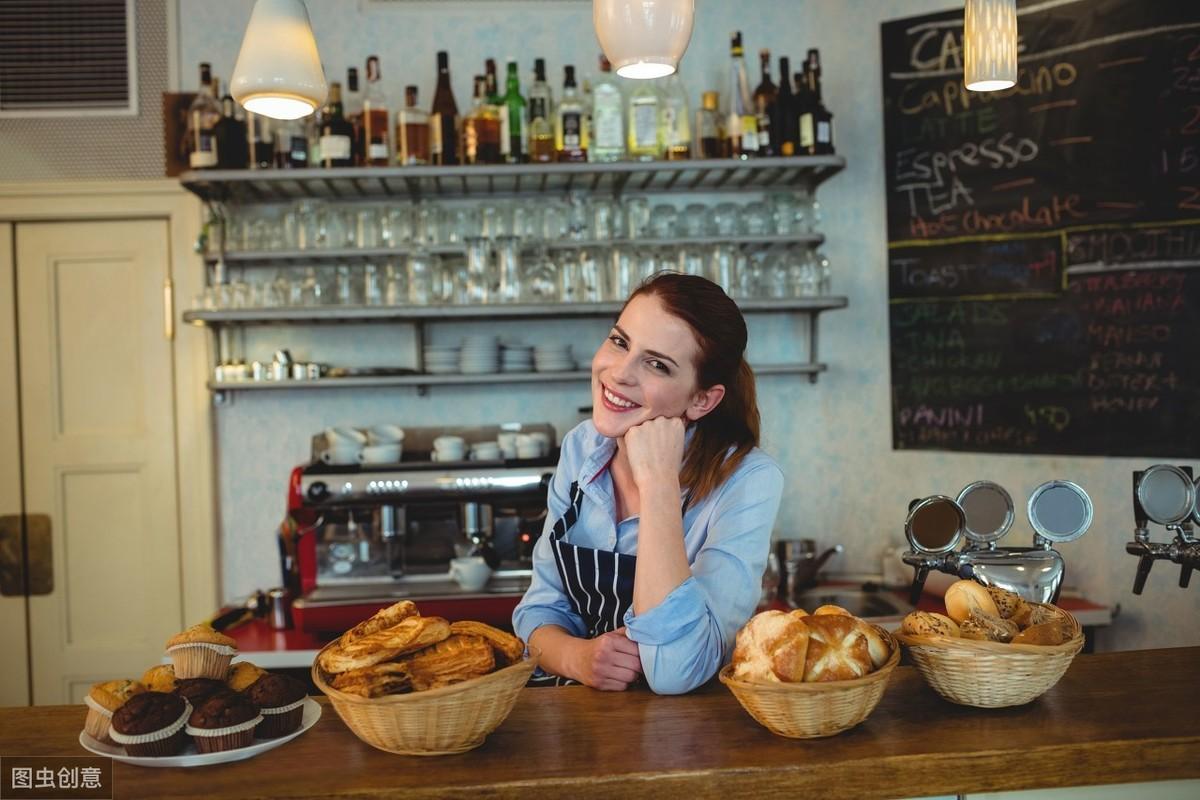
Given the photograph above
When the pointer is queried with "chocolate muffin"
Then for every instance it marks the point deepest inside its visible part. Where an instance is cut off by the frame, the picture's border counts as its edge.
(197, 690)
(225, 721)
(151, 724)
(281, 700)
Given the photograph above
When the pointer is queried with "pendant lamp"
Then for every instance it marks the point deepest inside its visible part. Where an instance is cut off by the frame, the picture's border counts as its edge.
(278, 72)
(643, 38)
(990, 45)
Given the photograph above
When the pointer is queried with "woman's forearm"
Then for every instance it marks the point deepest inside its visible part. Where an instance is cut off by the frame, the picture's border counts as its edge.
(558, 648)
(662, 563)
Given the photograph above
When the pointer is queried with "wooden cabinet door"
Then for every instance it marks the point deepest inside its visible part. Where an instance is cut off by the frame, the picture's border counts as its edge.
(99, 456)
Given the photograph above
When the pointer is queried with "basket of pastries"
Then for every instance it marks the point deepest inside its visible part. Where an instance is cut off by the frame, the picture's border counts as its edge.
(808, 676)
(418, 685)
(994, 649)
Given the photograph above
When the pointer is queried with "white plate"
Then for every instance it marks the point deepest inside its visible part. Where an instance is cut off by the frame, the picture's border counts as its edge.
(190, 758)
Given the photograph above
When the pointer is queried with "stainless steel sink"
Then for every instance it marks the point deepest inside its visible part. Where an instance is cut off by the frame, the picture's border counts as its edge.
(859, 601)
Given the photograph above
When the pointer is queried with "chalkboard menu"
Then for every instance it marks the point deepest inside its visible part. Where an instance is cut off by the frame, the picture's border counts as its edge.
(1044, 241)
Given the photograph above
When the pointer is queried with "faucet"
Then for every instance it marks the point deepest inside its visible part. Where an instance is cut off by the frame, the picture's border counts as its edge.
(800, 563)
(1153, 502)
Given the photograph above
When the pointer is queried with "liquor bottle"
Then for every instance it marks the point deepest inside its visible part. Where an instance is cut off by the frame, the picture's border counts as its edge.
(481, 128)
(291, 145)
(443, 122)
(336, 134)
(787, 120)
(412, 131)
(203, 115)
(570, 134)
(816, 122)
(674, 120)
(376, 119)
(514, 135)
(261, 136)
(741, 126)
(766, 95)
(493, 91)
(231, 136)
(352, 107)
(709, 141)
(608, 117)
(541, 111)
(642, 112)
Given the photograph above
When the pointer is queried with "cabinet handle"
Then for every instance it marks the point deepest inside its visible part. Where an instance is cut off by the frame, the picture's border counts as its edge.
(168, 309)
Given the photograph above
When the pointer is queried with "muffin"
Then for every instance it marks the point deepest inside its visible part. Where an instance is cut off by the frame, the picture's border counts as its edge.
(280, 698)
(159, 678)
(225, 721)
(197, 690)
(102, 700)
(242, 676)
(201, 652)
(151, 724)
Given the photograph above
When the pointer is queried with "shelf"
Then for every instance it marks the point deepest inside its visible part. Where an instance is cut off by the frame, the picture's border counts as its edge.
(367, 314)
(273, 257)
(356, 183)
(425, 380)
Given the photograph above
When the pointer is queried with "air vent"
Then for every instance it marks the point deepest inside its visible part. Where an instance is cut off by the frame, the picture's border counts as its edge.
(67, 58)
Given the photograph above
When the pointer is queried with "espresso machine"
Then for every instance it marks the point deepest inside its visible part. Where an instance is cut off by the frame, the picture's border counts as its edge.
(361, 535)
(1165, 494)
(982, 514)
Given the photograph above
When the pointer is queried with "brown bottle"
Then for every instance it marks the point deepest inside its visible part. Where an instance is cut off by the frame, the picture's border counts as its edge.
(443, 120)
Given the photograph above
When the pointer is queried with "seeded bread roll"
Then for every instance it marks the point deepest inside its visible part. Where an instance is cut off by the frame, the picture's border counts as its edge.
(928, 623)
(988, 628)
(1010, 605)
(965, 598)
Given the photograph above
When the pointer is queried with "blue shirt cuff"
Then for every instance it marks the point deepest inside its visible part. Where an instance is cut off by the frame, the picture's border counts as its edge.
(678, 613)
(530, 618)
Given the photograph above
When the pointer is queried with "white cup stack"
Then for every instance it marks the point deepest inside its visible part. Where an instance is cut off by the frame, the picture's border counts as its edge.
(343, 445)
(553, 358)
(449, 448)
(480, 355)
(485, 451)
(516, 358)
(442, 359)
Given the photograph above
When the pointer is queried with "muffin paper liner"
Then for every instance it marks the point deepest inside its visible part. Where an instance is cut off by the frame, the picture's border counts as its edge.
(98, 721)
(202, 660)
(99, 709)
(284, 709)
(281, 721)
(210, 740)
(155, 736)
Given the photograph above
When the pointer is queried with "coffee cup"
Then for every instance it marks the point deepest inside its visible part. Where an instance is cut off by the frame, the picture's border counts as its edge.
(543, 441)
(342, 437)
(385, 434)
(449, 448)
(485, 451)
(380, 453)
(471, 573)
(341, 454)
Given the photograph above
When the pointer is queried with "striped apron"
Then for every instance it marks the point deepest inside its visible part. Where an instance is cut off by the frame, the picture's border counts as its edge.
(599, 583)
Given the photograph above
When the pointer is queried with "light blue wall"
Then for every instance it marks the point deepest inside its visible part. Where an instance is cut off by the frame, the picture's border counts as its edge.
(833, 439)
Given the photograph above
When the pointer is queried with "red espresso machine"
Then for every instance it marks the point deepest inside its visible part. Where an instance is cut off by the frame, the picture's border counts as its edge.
(359, 537)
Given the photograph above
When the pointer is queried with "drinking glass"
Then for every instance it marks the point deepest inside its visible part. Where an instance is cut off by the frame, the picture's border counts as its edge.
(508, 265)
(347, 290)
(570, 280)
(722, 266)
(478, 270)
(605, 220)
(426, 224)
(808, 211)
(366, 227)
(724, 220)
(623, 277)
(396, 225)
(662, 221)
(371, 282)
(494, 220)
(578, 224)
(419, 268)
(694, 220)
(554, 221)
(310, 225)
(690, 261)
(395, 290)
(592, 275)
(647, 263)
(525, 219)
(824, 275)
(755, 220)
(637, 217)
(458, 224)
(539, 279)
(778, 277)
(784, 213)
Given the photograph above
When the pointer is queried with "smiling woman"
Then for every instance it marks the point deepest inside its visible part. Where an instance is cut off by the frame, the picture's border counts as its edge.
(660, 511)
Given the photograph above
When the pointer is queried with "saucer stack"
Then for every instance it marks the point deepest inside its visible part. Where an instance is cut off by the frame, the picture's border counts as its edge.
(480, 355)
(517, 358)
(553, 358)
(441, 360)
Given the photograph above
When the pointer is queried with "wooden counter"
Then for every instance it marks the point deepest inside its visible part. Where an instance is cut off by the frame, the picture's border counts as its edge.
(1114, 718)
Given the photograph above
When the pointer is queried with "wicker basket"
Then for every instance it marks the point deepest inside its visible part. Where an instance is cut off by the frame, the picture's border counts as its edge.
(436, 722)
(991, 674)
(813, 710)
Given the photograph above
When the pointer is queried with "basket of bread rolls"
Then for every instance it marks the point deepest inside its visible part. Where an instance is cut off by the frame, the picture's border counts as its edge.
(416, 685)
(807, 676)
(992, 648)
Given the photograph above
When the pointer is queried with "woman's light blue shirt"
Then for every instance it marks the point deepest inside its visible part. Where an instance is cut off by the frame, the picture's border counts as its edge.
(684, 640)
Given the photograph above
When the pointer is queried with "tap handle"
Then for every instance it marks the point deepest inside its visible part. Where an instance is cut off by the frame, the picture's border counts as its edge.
(918, 584)
(1185, 576)
(1143, 572)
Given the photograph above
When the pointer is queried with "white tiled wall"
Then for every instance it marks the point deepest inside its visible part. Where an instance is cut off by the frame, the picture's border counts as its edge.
(833, 439)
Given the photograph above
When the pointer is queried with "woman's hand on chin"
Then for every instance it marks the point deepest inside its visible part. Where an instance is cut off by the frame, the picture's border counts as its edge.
(610, 662)
(655, 451)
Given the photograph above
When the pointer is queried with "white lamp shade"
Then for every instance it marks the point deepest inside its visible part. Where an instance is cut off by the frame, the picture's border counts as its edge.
(643, 38)
(990, 45)
(278, 72)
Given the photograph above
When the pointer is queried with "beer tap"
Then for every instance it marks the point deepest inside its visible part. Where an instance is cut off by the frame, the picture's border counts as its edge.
(1164, 494)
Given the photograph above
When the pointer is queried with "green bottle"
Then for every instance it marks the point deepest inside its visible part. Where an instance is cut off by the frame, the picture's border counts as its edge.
(512, 119)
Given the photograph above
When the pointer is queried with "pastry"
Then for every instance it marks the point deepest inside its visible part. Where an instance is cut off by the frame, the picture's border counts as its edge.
(1047, 633)
(929, 623)
(224, 721)
(831, 609)
(837, 649)
(159, 678)
(456, 659)
(877, 646)
(102, 700)
(280, 699)
(771, 647)
(151, 724)
(201, 652)
(376, 680)
(964, 598)
(507, 648)
(242, 675)
(1010, 605)
(988, 628)
(384, 618)
(1041, 614)
(412, 633)
(197, 690)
